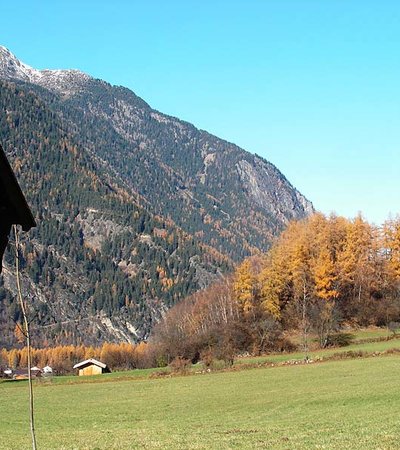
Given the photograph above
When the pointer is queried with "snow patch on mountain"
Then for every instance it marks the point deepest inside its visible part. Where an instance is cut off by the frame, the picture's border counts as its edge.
(65, 82)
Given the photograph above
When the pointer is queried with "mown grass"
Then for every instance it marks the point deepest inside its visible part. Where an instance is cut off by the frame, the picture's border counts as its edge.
(350, 404)
(370, 333)
(126, 375)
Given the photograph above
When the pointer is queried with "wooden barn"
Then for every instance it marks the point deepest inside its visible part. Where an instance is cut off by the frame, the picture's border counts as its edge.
(13, 207)
(91, 367)
(22, 374)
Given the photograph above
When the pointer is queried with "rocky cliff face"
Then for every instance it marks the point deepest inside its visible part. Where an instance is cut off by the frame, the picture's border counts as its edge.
(154, 207)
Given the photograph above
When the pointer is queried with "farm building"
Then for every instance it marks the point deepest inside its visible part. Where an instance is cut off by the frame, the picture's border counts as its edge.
(13, 207)
(91, 367)
(47, 370)
(22, 374)
(8, 373)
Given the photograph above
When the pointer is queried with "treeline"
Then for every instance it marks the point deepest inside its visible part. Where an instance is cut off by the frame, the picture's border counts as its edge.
(61, 359)
(320, 275)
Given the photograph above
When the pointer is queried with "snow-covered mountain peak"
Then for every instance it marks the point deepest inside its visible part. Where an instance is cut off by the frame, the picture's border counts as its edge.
(12, 68)
(62, 81)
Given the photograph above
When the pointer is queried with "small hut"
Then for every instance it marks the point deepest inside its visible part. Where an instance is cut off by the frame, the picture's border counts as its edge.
(91, 367)
(47, 370)
(13, 207)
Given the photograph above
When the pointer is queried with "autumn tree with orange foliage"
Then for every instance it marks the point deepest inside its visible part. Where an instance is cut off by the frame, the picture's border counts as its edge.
(62, 358)
(320, 274)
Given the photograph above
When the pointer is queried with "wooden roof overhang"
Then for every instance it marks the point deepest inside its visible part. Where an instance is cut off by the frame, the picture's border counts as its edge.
(14, 209)
(89, 362)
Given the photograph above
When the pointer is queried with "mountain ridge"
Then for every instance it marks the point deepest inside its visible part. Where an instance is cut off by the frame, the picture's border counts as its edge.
(176, 206)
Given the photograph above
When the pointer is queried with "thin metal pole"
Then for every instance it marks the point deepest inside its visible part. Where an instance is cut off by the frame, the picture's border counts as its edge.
(28, 338)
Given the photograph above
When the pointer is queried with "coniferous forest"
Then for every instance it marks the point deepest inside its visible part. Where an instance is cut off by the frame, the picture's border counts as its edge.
(95, 251)
(135, 210)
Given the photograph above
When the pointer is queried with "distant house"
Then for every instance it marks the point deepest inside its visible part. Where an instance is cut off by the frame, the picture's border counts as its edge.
(91, 367)
(13, 206)
(47, 370)
(22, 374)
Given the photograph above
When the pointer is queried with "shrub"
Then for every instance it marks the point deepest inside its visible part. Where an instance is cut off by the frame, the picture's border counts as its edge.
(207, 358)
(161, 361)
(180, 365)
(285, 345)
(340, 339)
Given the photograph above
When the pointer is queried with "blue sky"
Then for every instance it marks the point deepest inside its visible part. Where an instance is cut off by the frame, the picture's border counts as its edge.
(312, 86)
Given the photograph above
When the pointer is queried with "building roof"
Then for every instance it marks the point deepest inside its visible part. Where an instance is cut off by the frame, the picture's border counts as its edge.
(12, 200)
(13, 206)
(25, 370)
(89, 362)
(24, 373)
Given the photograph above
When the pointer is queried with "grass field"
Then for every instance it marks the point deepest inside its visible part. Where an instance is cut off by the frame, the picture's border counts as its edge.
(360, 345)
(349, 404)
(370, 333)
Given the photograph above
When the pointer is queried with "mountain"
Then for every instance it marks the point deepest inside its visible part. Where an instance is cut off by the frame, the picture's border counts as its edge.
(135, 209)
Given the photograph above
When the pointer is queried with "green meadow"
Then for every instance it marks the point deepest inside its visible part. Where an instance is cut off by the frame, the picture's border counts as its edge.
(344, 404)
(358, 346)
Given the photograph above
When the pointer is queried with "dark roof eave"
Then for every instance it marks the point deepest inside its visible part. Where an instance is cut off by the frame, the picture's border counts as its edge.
(22, 213)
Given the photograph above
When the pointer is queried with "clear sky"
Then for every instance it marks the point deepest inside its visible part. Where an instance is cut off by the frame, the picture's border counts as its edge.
(313, 86)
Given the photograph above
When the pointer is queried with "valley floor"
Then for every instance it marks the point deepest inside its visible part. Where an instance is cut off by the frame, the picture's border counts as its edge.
(344, 404)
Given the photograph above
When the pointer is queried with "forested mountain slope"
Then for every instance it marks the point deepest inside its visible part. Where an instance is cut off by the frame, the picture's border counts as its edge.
(135, 209)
